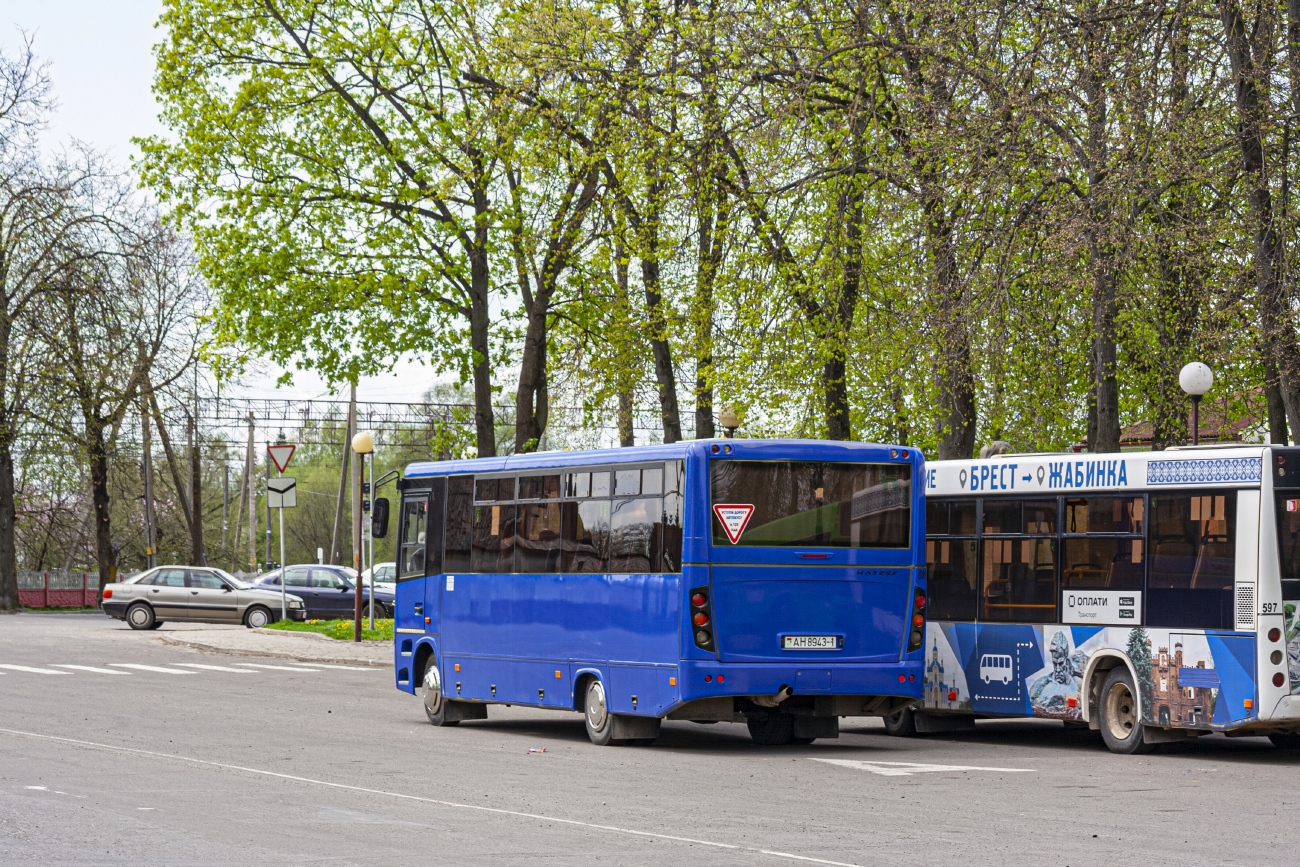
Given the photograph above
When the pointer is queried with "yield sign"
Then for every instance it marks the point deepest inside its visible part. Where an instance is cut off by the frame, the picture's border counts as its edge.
(734, 517)
(280, 455)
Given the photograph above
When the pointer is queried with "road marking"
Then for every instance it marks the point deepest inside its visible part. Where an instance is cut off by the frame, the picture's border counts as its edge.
(453, 804)
(276, 667)
(157, 668)
(332, 665)
(92, 668)
(214, 667)
(906, 769)
(32, 670)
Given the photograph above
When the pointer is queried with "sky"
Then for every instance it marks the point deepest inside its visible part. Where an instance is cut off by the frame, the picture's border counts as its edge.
(100, 60)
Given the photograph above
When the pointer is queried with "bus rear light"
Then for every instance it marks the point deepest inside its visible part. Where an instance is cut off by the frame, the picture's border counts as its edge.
(902, 678)
(917, 637)
(1276, 657)
(1275, 634)
(1279, 679)
(708, 678)
(108, 594)
(700, 616)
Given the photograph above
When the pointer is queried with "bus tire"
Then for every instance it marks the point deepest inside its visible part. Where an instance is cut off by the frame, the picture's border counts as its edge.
(596, 715)
(1121, 714)
(1286, 741)
(140, 616)
(901, 724)
(435, 703)
(771, 728)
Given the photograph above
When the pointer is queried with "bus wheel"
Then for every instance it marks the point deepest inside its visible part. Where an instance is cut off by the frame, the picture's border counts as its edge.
(1288, 741)
(1121, 714)
(600, 722)
(901, 724)
(435, 705)
(771, 729)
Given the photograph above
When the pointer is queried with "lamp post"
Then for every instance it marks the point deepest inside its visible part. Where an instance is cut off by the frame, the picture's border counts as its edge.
(1196, 379)
(729, 421)
(363, 444)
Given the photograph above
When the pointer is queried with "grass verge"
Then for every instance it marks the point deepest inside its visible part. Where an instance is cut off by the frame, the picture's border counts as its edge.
(340, 629)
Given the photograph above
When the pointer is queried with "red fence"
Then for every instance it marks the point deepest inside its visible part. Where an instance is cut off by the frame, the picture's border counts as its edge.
(57, 597)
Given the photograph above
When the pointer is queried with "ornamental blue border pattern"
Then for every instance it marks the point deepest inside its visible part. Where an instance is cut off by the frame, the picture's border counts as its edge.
(1217, 470)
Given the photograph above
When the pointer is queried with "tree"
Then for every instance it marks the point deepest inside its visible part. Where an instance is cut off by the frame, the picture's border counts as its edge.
(122, 316)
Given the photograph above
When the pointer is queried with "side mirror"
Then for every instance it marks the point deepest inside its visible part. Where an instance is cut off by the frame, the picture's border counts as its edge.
(225, 587)
(379, 518)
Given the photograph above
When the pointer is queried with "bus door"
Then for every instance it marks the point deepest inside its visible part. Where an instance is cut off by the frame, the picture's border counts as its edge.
(412, 557)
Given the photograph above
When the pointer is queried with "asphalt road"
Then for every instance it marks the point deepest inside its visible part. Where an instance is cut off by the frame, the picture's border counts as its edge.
(154, 754)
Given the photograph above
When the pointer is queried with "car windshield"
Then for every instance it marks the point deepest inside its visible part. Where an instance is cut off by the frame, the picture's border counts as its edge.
(232, 580)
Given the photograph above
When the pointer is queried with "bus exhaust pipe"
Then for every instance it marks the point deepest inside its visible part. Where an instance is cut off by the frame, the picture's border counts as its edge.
(772, 700)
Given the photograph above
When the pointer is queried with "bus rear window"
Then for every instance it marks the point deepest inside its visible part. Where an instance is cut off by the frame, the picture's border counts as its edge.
(807, 503)
(1288, 541)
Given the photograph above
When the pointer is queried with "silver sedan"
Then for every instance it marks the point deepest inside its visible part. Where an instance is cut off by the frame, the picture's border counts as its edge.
(195, 595)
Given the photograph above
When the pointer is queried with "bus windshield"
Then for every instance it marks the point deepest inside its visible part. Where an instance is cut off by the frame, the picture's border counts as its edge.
(811, 503)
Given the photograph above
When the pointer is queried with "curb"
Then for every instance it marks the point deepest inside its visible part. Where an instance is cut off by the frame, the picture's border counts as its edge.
(272, 654)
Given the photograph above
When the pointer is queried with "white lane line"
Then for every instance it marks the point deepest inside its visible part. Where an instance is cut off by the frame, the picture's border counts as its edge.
(906, 769)
(92, 668)
(214, 667)
(453, 804)
(332, 665)
(275, 667)
(28, 668)
(157, 668)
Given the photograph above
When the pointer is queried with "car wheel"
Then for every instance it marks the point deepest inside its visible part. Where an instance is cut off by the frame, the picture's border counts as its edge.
(771, 729)
(435, 703)
(901, 724)
(140, 616)
(257, 616)
(1121, 714)
(600, 722)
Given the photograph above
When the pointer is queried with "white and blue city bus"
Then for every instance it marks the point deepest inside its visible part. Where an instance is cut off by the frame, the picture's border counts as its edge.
(1150, 595)
(778, 583)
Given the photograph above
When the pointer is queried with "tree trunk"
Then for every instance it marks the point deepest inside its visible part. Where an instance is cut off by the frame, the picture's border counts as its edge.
(105, 553)
(530, 398)
(665, 377)
(624, 377)
(1277, 329)
(1104, 388)
(8, 547)
(952, 351)
(479, 325)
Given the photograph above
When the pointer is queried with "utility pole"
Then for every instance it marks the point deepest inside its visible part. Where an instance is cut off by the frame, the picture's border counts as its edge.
(198, 556)
(151, 554)
(348, 433)
(225, 509)
(250, 468)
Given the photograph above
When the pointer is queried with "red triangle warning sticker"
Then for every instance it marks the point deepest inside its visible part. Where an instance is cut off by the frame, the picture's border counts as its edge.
(734, 517)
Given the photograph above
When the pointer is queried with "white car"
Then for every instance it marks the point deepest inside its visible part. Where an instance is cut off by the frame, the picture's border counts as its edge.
(385, 577)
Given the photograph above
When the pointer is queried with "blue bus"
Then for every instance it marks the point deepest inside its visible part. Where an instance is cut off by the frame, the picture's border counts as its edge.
(776, 582)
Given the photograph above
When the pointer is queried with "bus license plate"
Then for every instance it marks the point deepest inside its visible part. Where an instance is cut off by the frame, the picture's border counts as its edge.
(811, 642)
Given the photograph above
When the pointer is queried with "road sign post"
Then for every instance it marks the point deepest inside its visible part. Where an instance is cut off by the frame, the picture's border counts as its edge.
(282, 492)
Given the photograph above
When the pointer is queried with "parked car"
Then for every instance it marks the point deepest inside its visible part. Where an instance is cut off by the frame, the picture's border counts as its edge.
(328, 591)
(385, 575)
(195, 595)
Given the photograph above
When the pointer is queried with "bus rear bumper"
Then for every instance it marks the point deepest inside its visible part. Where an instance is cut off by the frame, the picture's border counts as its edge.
(852, 686)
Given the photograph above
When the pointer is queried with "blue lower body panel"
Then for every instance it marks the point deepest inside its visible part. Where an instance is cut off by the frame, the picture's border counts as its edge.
(902, 679)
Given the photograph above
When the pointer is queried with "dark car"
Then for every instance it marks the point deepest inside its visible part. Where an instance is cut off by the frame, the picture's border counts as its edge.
(327, 591)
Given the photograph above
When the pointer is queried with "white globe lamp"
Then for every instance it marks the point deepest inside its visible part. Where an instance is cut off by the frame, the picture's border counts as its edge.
(1196, 379)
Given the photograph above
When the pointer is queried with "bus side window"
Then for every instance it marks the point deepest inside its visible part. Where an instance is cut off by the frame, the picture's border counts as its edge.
(635, 529)
(460, 524)
(1018, 575)
(537, 538)
(952, 577)
(1193, 537)
(584, 536)
(671, 556)
(494, 538)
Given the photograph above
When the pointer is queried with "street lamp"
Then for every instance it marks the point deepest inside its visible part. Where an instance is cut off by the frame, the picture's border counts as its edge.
(363, 444)
(729, 421)
(1196, 379)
